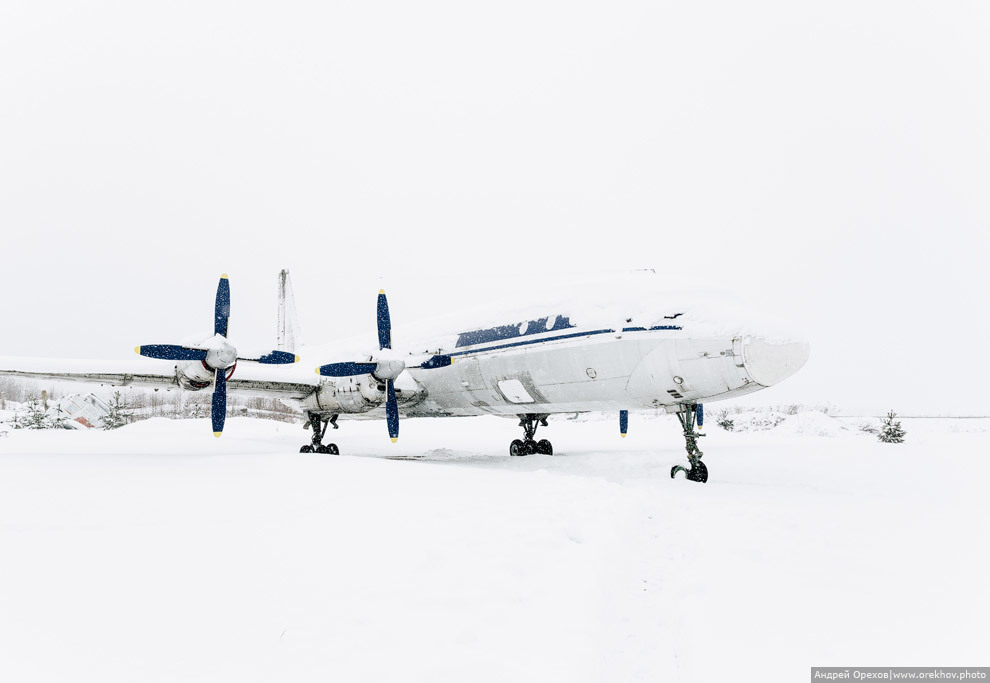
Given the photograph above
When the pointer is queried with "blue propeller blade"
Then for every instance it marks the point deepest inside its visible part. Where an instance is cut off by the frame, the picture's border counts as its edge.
(219, 410)
(384, 322)
(437, 362)
(276, 358)
(346, 369)
(700, 410)
(170, 352)
(385, 342)
(221, 312)
(623, 422)
(391, 411)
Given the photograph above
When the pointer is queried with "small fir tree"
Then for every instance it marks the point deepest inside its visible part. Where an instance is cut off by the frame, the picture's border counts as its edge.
(891, 430)
(119, 414)
(33, 416)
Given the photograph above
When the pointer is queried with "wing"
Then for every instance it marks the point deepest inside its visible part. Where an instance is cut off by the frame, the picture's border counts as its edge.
(123, 374)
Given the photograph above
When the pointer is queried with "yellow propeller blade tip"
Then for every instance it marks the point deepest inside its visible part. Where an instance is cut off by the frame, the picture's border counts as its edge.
(623, 436)
(137, 349)
(224, 276)
(296, 360)
(395, 439)
(217, 434)
(317, 371)
(381, 291)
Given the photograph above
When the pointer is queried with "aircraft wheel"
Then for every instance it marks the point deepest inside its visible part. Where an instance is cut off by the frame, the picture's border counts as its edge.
(333, 450)
(517, 447)
(544, 447)
(306, 449)
(698, 473)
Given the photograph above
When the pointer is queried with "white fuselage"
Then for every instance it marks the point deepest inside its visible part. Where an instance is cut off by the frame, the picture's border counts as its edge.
(575, 370)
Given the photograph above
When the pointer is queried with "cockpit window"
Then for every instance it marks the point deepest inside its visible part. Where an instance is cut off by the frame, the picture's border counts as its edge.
(551, 323)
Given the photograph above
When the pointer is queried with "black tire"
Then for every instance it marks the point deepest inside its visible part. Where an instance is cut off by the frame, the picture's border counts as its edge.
(333, 450)
(306, 449)
(698, 473)
(530, 447)
(517, 447)
(544, 447)
(322, 449)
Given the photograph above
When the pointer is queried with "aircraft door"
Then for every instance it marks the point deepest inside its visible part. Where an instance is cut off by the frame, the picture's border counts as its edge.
(469, 375)
(737, 351)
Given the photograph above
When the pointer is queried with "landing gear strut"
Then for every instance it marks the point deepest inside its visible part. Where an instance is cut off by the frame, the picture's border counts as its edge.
(319, 426)
(528, 446)
(698, 471)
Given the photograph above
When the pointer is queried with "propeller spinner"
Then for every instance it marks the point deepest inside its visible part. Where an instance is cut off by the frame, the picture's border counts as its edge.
(216, 354)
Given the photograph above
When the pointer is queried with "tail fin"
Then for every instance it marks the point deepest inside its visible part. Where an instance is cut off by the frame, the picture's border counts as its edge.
(287, 336)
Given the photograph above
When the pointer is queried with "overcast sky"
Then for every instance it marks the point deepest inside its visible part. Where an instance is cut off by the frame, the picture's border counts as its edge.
(829, 160)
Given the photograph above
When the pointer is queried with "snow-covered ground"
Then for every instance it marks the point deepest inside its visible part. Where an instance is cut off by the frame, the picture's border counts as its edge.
(156, 552)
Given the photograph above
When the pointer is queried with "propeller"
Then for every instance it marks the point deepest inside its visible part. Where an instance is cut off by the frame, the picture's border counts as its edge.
(386, 369)
(623, 423)
(216, 354)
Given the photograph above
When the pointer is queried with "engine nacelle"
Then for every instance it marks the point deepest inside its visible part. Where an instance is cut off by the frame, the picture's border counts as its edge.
(357, 394)
(195, 375)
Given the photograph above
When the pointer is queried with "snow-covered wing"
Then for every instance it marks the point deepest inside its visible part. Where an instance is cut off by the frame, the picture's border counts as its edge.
(273, 388)
(112, 378)
(123, 373)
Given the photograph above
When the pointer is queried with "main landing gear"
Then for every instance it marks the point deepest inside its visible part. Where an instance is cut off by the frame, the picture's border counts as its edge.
(698, 471)
(319, 427)
(528, 446)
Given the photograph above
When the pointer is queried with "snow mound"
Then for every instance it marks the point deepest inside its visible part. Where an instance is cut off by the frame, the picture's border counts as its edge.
(793, 420)
(812, 424)
(756, 420)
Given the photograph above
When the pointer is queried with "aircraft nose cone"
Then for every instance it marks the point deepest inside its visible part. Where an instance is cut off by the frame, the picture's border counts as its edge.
(770, 362)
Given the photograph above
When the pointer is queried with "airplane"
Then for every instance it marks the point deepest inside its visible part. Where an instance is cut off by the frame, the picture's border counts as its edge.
(598, 352)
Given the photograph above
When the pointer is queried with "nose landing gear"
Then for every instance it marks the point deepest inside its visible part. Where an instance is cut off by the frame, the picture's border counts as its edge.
(698, 472)
(319, 427)
(528, 446)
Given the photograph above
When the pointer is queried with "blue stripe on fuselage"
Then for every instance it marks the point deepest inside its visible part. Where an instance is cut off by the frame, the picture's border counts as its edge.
(563, 336)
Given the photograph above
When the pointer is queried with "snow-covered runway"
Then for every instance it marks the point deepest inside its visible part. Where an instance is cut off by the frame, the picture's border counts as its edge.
(157, 552)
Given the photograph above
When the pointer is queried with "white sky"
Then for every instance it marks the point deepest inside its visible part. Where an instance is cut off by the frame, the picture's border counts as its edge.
(831, 160)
